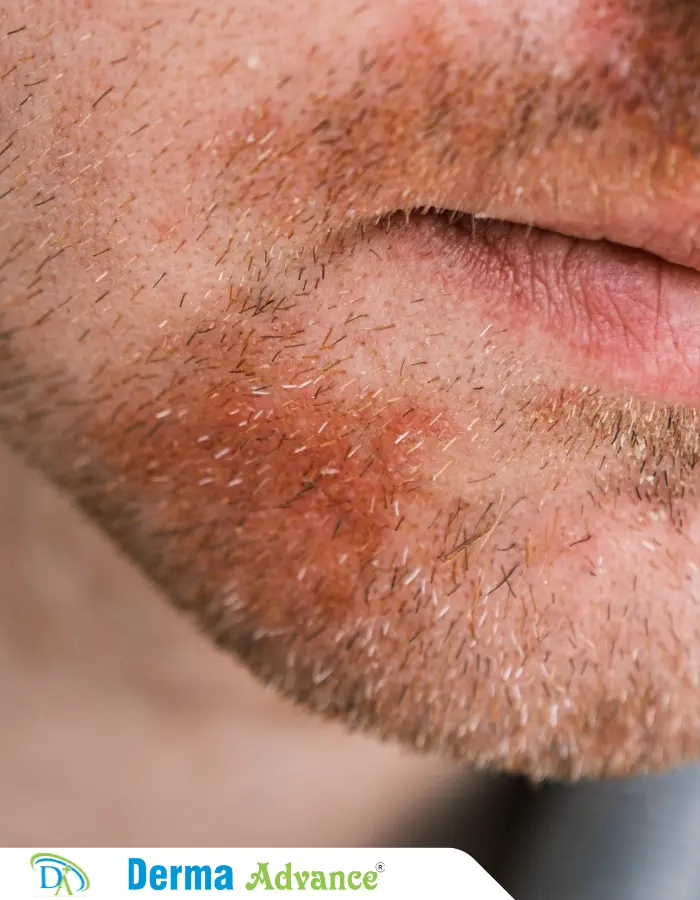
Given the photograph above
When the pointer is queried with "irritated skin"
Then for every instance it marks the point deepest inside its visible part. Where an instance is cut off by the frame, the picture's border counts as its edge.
(325, 430)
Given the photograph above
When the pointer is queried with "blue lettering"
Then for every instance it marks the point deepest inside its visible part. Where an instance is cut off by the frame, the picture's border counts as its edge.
(197, 874)
(59, 876)
(224, 878)
(137, 873)
(158, 878)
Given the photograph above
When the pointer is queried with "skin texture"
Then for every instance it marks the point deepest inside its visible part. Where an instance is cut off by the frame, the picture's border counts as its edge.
(330, 427)
(160, 739)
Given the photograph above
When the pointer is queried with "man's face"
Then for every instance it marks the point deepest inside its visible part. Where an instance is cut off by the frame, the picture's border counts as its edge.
(434, 475)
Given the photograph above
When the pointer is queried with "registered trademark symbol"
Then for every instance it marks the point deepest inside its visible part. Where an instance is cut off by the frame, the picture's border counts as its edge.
(380, 867)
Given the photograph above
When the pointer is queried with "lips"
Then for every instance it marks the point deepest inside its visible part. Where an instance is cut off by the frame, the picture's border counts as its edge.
(367, 462)
(618, 315)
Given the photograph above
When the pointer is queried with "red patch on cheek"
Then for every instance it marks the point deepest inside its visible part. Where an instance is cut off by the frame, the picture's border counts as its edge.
(603, 31)
(638, 57)
(280, 503)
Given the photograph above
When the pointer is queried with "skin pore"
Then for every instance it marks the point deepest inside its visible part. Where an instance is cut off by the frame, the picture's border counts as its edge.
(354, 444)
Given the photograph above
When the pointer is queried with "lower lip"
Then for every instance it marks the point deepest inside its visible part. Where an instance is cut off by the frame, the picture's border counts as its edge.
(621, 316)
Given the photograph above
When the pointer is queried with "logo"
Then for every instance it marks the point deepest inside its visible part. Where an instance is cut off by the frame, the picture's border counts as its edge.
(59, 875)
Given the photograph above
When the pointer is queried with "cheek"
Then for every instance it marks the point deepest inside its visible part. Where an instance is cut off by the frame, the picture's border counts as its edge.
(403, 528)
(389, 502)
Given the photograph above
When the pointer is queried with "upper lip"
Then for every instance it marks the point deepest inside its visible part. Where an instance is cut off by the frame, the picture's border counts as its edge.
(631, 320)
(669, 230)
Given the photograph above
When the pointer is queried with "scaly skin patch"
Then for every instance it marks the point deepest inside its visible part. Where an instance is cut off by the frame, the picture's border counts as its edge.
(399, 504)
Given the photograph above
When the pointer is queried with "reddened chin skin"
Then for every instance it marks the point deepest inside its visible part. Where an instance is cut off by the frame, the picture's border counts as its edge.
(255, 321)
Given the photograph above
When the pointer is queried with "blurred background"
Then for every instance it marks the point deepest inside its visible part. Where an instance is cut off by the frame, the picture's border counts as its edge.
(120, 725)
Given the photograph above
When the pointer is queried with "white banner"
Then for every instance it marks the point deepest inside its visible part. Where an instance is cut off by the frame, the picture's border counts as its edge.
(115, 874)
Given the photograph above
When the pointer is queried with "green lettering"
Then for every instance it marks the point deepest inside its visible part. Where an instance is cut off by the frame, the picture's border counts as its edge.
(370, 880)
(224, 878)
(351, 879)
(284, 876)
(262, 876)
(318, 881)
(337, 876)
(301, 879)
(64, 883)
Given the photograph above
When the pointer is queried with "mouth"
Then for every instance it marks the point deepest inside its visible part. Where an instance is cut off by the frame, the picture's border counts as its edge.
(617, 314)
